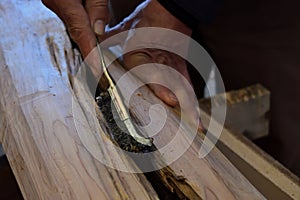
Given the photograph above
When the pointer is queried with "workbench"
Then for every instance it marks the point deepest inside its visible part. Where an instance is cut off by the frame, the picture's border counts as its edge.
(46, 142)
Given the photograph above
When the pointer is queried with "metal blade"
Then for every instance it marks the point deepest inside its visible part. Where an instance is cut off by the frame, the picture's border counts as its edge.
(119, 104)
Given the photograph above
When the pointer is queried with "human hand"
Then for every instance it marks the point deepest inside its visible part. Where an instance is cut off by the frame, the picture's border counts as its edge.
(83, 19)
(152, 14)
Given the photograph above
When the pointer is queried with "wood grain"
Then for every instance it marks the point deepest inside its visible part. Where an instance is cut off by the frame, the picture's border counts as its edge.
(212, 177)
(41, 140)
(265, 173)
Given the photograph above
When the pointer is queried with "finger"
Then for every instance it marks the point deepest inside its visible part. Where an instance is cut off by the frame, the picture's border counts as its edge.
(132, 20)
(78, 24)
(164, 94)
(151, 74)
(170, 84)
(185, 93)
(98, 13)
(181, 94)
(174, 62)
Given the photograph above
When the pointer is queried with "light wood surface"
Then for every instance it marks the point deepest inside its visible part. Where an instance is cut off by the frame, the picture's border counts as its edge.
(265, 173)
(212, 177)
(41, 140)
(268, 175)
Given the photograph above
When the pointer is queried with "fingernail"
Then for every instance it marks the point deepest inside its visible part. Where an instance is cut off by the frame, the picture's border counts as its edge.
(202, 128)
(99, 27)
(173, 97)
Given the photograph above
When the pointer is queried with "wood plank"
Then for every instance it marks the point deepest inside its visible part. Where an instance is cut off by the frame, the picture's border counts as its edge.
(212, 177)
(247, 110)
(3, 126)
(266, 174)
(42, 143)
(264, 184)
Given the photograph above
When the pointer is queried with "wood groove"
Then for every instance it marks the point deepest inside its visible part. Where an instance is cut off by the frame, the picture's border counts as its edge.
(216, 174)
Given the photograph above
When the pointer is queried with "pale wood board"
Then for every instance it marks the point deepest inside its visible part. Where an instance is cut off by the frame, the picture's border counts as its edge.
(40, 138)
(212, 177)
(268, 175)
(262, 170)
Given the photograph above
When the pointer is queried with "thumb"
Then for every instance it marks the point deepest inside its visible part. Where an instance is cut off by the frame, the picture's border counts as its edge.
(98, 13)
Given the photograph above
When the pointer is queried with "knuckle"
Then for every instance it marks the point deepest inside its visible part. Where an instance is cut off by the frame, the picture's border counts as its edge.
(76, 25)
(96, 4)
(77, 32)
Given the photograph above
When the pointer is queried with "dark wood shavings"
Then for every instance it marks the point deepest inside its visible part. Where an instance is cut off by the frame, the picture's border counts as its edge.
(119, 134)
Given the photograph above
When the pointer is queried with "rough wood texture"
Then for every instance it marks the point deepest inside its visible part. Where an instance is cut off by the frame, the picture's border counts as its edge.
(212, 177)
(266, 174)
(247, 110)
(41, 140)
